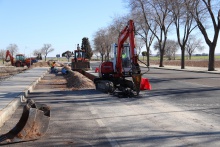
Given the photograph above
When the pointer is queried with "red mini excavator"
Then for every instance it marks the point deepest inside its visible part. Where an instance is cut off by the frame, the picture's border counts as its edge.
(115, 75)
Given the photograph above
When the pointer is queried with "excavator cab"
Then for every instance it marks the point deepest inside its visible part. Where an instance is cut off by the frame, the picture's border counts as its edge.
(20, 57)
(126, 58)
(79, 55)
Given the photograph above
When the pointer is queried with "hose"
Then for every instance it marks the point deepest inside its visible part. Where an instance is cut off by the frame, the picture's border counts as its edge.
(144, 66)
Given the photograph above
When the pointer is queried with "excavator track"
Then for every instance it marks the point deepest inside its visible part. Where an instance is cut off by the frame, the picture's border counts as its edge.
(122, 88)
(105, 86)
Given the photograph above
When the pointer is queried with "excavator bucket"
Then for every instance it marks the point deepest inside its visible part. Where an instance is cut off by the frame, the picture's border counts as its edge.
(137, 82)
(32, 125)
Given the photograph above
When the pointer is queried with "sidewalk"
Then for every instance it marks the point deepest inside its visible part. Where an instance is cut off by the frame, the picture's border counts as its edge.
(187, 68)
(14, 90)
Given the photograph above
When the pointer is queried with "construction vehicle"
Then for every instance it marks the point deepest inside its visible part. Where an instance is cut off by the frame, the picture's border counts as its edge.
(39, 57)
(121, 77)
(79, 61)
(33, 124)
(20, 60)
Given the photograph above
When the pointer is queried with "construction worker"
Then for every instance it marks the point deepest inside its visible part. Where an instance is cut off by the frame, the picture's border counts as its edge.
(123, 55)
(52, 69)
(124, 59)
(64, 71)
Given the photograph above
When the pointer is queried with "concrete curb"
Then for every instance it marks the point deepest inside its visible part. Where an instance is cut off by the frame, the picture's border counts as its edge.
(89, 75)
(187, 70)
(7, 112)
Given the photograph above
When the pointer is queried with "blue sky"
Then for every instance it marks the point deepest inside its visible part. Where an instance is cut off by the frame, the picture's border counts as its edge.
(61, 23)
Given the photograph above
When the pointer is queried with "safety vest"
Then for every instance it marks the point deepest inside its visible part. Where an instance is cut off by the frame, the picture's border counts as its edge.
(123, 56)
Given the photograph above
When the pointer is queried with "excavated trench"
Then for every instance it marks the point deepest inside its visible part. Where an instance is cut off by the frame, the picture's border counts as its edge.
(71, 81)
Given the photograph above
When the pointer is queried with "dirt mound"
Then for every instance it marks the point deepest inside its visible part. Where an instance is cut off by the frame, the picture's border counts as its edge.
(40, 64)
(7, 71)
(76, 81)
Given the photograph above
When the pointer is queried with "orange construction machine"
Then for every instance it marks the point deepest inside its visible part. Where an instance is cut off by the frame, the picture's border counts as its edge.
(20, 60)
(79, 61)
(115, 75)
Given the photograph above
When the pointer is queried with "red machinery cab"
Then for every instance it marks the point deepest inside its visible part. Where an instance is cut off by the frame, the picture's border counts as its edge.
(79, 61)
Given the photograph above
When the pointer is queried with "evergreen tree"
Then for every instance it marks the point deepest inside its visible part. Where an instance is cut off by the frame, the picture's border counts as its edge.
(86, 46)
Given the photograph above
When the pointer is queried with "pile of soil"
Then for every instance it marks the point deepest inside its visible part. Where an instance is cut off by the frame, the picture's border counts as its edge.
(77, 81)
(41, 64)
(8, 71)
(73, 80)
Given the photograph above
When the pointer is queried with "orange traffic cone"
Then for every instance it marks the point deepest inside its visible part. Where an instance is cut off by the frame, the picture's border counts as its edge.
(145, 84)
(96, 69)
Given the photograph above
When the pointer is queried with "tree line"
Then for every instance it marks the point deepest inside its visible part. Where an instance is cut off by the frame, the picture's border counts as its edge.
(13, 48)
(155, 20)
(47, 48)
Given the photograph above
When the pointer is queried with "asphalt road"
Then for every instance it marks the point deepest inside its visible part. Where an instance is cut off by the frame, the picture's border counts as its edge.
(182, 109)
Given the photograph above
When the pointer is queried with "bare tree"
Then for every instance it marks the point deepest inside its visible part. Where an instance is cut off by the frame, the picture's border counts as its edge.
(193, 44)
(46, 49)
(36, 52)
(145, 27)
(169, 50)
(96, 53)
(183, 23)
(2, 55)
(117, 25)
(13, 48)
(162, 17)
(207, 14)
(139, 45)
(99, 42)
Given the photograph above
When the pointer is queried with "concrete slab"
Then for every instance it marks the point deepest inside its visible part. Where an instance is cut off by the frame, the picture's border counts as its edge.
(14, 90)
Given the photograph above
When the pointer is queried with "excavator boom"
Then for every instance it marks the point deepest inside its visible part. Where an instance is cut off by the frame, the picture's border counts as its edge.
(8, 54)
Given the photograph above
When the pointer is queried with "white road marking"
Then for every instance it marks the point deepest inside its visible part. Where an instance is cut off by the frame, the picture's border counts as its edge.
(100, 122)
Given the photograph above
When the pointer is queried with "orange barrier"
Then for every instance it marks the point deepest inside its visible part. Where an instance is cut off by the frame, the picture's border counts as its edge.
(145, 84)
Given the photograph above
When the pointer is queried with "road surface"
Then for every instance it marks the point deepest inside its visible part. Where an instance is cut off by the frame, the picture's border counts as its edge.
(182, 109)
